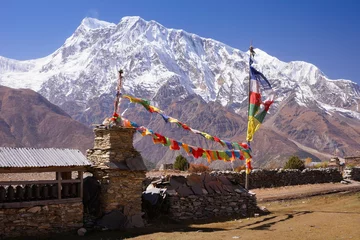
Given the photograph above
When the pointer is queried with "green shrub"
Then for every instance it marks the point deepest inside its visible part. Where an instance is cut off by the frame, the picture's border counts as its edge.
(294, 162)
(350, 165)
(181, 163)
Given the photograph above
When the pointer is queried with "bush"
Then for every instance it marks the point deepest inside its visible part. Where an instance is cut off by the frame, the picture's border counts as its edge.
(308, 161)
(294, 162)
(321, 165)
(198, 168)
(181, 163)
(350, 165)
(240, 168)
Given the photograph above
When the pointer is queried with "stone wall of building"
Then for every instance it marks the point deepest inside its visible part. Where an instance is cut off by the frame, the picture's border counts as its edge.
(352, 173)
(279, 178)
(120, 190)
(40, 220)
(113, 148)
(119, 168)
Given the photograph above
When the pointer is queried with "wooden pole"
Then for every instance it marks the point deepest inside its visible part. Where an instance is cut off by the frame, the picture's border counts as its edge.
(81, 177)
(118, 93)
(58, 178)
(246, 165)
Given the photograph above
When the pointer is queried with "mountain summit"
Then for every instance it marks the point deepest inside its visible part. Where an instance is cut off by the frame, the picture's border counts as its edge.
(315, 114)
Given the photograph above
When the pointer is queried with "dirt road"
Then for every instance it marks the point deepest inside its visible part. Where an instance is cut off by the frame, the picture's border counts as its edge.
(300, 191)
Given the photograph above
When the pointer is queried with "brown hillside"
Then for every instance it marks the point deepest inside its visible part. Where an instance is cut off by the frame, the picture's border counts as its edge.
(29, 120)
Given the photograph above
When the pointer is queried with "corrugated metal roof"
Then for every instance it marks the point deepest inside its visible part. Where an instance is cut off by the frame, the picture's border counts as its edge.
(41, 157)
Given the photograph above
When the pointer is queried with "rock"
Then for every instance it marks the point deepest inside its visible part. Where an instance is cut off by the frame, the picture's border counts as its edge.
(81, 231)
(34, 209)
(228, 188)
(208, 188)
(137, 221)
(194, 180)
(197, 190)
(177, 181)
(238, 190)
(136, 163)
(184, 191)
(171, 192)
(224, 180)
(113, 220)
(216, 187)
(264, 209)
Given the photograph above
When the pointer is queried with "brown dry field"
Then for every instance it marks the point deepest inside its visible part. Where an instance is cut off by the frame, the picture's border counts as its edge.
(335, 216)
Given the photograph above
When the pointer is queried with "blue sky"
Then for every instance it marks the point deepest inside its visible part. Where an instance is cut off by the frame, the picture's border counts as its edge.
(323, 32)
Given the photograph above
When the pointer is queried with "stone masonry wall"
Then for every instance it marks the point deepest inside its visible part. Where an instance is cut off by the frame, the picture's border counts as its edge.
(279, 178)
(40, 220)
(121, 190)
(221, 193)
(202, 196)
(119, 168)
(211, 205)
(352, 173)
(114, 145)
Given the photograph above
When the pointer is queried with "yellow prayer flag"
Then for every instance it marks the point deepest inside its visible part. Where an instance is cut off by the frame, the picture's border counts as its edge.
(253, 126)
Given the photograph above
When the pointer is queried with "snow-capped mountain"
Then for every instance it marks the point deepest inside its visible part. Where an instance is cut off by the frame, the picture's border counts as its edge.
(168, 65)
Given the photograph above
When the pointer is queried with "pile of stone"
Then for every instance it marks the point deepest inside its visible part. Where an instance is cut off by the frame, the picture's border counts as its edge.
(205, 196)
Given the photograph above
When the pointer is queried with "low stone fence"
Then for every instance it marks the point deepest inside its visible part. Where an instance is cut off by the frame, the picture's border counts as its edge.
(279, 178)
(204, 196)
(204, 207)
(41, 220)
(352, 173)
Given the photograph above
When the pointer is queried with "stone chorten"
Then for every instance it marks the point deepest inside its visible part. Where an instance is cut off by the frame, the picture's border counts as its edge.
(119, 168)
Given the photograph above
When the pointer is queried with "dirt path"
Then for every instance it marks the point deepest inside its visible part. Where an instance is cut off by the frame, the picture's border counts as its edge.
(301, 191)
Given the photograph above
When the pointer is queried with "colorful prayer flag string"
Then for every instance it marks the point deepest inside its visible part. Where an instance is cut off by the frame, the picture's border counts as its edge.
(196, 152)
(146, 104)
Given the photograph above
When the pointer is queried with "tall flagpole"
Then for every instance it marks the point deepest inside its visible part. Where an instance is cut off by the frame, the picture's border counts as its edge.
(246, 165)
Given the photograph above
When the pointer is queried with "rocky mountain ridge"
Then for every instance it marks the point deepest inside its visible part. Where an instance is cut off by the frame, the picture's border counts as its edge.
(169, 66)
